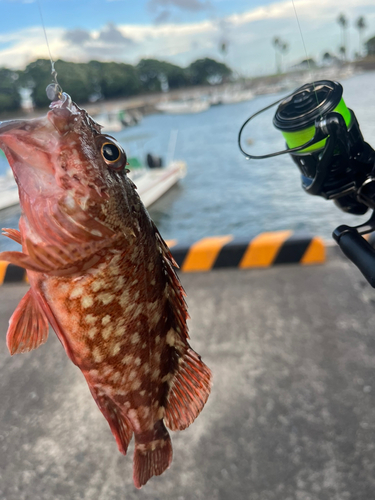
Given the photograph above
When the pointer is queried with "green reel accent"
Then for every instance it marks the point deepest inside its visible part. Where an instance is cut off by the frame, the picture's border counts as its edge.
(295, 139)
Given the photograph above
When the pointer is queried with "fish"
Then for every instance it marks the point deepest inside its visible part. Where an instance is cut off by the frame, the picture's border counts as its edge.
(103, 278)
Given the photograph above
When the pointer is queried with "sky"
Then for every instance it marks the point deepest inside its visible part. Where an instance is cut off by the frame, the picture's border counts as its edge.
(179, 31)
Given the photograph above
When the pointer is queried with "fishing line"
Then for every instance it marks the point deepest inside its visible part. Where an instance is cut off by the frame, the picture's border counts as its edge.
(54, 90)
(304, 46)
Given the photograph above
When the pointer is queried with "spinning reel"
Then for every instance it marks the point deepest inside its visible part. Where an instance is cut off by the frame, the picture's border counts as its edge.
(325, 142)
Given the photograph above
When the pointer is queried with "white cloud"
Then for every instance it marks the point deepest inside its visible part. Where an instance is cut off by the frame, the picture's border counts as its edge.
(249, 37)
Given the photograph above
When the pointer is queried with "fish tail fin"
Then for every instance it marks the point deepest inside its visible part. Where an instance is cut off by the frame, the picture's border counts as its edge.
(189, 391)
(151, 456)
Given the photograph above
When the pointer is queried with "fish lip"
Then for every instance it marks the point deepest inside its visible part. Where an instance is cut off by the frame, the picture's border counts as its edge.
(9, 125)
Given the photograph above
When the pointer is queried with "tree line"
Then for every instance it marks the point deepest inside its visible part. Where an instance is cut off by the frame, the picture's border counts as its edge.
(105, 80)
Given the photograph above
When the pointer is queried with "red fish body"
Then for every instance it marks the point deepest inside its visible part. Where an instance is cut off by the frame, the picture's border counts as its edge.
(103, 278)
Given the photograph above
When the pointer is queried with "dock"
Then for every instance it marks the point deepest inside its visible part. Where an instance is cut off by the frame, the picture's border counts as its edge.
(291, 415)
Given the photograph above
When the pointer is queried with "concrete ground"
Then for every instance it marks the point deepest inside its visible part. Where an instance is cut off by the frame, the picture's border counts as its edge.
(291, 415)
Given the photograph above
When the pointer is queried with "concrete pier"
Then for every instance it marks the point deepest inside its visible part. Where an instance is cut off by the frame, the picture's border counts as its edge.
(291, 415)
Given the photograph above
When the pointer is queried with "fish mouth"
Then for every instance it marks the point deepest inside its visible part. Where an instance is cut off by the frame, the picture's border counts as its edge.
(10, 125)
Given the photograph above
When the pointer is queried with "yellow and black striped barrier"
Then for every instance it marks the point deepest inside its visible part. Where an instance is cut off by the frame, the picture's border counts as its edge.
(9, 273)
(265, 250)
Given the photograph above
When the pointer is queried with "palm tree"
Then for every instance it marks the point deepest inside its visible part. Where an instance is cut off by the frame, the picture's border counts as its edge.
(276, 42)
(344, 24)
(361, 25)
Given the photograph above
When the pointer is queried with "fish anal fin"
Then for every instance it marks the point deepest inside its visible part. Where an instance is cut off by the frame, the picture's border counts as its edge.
(118, 422)
(151, 456)
(188, 393)
(28, 326)
(13, 234)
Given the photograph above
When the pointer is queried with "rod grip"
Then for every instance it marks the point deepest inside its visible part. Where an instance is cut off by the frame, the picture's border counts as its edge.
(358, 250)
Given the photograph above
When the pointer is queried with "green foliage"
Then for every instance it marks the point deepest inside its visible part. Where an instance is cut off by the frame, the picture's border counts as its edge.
(152, 73)
(37, 76)
(96, 80)
(207, 70)
(111, 80)
(75, 80)
(9, 96)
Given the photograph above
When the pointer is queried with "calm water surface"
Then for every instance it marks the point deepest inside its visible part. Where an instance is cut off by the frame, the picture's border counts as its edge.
(223, 193)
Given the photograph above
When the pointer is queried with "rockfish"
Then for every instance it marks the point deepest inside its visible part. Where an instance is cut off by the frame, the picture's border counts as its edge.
(101, 275)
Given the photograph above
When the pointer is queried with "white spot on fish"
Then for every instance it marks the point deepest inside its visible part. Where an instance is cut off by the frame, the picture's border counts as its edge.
(95, 232)
(134, 420)
(127, 359)
(97, 285)
(136, 385)
(171, 337)
(167, 378)
(146, 368)
(137, 361)
(106, 298)
(132, 375)
(124, 298)
(157, 339)
(135, 338)
(157, 358)
(92, 332)
(98, 356)
(155, 374)
(87, 301)
(76, 292)
(116, 376)
(161, 413)
(116, 349)
(106, 320)
(106, 332)
(90, 319)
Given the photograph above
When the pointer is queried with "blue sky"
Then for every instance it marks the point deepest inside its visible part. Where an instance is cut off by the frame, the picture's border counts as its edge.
(178, 31)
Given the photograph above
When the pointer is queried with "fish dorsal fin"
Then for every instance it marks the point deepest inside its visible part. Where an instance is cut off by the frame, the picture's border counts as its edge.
(13, 234)
(188, 393)
(28, 326)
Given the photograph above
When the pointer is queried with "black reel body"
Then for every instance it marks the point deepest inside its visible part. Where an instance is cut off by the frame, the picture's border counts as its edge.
(337, 167)
(324, 140)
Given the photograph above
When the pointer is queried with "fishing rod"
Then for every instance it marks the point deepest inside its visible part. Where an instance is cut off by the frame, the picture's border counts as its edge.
(325, 142)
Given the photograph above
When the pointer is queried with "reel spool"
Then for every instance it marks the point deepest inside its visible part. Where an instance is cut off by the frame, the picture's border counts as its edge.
(324, 140)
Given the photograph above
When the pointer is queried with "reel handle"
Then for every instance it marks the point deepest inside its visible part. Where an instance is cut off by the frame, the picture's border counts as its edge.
(358, 250)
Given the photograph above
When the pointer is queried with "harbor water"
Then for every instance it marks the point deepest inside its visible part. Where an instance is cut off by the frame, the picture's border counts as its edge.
(223, 193)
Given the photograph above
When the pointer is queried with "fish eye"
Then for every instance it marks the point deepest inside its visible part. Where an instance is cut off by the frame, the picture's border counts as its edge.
(110, 152)
(113, 154)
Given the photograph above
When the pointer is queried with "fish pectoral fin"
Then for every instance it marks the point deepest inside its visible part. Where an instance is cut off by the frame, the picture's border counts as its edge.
(13, 234)
(188, 393)
(22, 260)
(28, 326)
(118, 422)
(56, 260)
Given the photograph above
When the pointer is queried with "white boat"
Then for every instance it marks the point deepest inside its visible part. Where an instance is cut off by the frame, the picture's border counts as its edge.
(8, 191)
(152, 183)
(184, 106)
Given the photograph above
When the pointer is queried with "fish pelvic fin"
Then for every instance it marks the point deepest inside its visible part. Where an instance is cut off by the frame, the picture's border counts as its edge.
(28, 326)
(151, 456)
(189, 391)
(118, 422)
